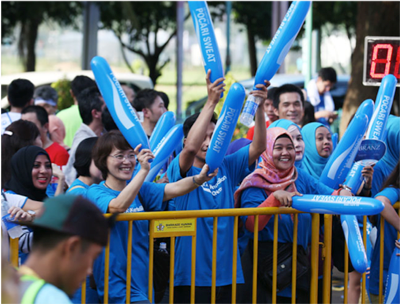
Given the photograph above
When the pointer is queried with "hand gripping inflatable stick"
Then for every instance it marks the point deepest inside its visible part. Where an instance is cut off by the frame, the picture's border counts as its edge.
(392, 291)
(276, 53)
(225, 126)
(205, 35)
(164, 149)
(119, 106)
(164, 124)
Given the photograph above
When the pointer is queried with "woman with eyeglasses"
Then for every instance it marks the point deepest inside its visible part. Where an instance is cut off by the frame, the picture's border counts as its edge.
(120, 193)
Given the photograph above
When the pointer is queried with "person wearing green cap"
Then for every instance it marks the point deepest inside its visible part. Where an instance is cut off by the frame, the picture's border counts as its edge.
(68, 234)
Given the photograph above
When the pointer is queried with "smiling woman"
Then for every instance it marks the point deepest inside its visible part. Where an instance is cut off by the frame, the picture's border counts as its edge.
(31, 173)
(121, 192)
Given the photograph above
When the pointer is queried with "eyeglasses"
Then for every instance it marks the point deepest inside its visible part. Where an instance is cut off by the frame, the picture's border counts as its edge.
(121, 157)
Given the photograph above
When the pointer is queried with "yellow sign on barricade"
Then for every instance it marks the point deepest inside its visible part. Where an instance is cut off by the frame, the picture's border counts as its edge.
(174, 227)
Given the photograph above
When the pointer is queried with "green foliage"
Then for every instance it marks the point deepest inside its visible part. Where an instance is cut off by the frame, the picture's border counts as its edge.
(14, 12)
(142, 21)
(65, 99)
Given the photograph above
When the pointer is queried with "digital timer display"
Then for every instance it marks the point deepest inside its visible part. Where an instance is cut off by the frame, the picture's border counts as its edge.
(381, 57)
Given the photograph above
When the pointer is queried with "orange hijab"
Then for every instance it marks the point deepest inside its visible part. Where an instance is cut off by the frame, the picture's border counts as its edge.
(268, 177)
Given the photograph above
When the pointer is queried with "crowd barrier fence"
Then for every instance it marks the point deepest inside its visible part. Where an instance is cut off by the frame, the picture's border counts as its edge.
(174, 224)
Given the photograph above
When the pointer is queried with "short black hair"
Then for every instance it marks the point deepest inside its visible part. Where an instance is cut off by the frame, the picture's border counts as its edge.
(187, 125)
(108, 122)
(79, 83)
(165, 98)
(45, 239)
(309, 113)
(40, 112)
(328, 74)
(286, 88)
(20, 92)
(46, 93)
(88, 100)
(83, 156)
(144, 99)
(271, 93)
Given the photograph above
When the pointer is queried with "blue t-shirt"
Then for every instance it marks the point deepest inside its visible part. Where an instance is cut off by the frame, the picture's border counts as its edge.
(78, 188)
(214, 194)
(305, 184)
(152, 195)
(50, 294)
(393, 194)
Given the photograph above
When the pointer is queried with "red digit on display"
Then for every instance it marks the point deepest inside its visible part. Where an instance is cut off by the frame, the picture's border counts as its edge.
(376, 61)
(397, 64)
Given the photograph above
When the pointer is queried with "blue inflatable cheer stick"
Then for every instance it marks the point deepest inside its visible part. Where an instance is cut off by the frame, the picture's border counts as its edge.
(276, 53)
(164, 124)
(330, 204)
(206, 37)
(384, 101)
(354, 178)
(225, 126)
(354, 242)
(164, 149)
(392, 293)
(335, 139)
(119, 106)
(342, 158)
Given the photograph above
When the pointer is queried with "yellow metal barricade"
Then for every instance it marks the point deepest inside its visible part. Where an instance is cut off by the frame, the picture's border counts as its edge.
(363, 291)
(183, 223)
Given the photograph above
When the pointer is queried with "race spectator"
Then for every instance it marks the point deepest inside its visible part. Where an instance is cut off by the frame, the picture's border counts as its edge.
(152, 106)
(87, 172)
(19, 134)
(70, 116)
(123, 194)
(38, 115)
(320, 97)
(215, 194)
(31, 173)
(289, 103)
(91, 106)
(20, 95)
(165, 98)
(46, 97)
(68, 235)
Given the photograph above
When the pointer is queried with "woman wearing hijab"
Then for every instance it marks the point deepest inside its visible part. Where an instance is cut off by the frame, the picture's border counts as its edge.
(274, 184)
(297, 138)
(318, 140)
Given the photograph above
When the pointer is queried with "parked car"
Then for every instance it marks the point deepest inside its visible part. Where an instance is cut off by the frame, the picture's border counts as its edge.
(338, 92)
(135, 81)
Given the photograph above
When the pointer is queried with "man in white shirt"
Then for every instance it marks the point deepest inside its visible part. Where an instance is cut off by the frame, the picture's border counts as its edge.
(91, 106)
(20, 95)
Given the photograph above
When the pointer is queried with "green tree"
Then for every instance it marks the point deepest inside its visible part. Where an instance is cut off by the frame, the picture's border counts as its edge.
(142, 22)
(373, 19)
(29, 15)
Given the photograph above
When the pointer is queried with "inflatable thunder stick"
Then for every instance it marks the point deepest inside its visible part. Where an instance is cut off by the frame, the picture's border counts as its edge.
(119, 106)
(276, 53)
(225, 126)
(343, 156)
(392, 293)
(335, 139)
(164, 149)
(206, 37)
(354, 242)
(164, 124)
(330, 204)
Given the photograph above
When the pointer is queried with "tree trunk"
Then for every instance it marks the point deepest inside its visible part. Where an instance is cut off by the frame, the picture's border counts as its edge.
(31, 35)
(373, 19)
(252, 52)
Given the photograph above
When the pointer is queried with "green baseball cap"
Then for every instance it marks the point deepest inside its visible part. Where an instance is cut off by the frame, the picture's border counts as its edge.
(74, 215)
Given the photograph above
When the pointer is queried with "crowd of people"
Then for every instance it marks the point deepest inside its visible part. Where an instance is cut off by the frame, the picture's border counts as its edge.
(61, 171)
